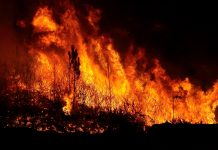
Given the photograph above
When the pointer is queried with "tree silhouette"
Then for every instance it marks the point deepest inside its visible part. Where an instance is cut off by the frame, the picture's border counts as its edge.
(74, 63)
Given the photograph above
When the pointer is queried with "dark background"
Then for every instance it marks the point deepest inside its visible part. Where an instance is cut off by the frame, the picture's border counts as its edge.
(183, 35)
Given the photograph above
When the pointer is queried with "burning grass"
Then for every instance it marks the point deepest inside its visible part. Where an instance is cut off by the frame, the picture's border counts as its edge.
(70, 77)
(47, 115)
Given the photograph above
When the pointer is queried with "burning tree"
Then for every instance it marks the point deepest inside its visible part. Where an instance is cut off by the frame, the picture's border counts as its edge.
(74, 64)
(131, 83)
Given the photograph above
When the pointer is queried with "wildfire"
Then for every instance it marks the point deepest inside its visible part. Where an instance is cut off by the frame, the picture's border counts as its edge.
(68, 107)
(105, 81)
(43, 20)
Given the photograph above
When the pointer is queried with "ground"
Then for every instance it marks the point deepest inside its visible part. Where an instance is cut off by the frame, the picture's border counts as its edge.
(159, 136)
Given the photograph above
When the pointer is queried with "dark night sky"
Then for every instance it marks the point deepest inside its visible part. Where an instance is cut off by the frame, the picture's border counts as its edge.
(182, 35)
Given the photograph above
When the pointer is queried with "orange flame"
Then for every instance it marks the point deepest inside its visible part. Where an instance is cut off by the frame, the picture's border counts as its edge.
(43, 20)
(106, 82)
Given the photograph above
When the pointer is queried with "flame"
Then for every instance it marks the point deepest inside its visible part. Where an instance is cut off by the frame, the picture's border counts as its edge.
(68, 107)
(43, 20)
(107, 82)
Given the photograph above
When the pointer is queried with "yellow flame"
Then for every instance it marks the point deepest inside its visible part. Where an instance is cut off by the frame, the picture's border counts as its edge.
(107, 82)
(68, 107)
